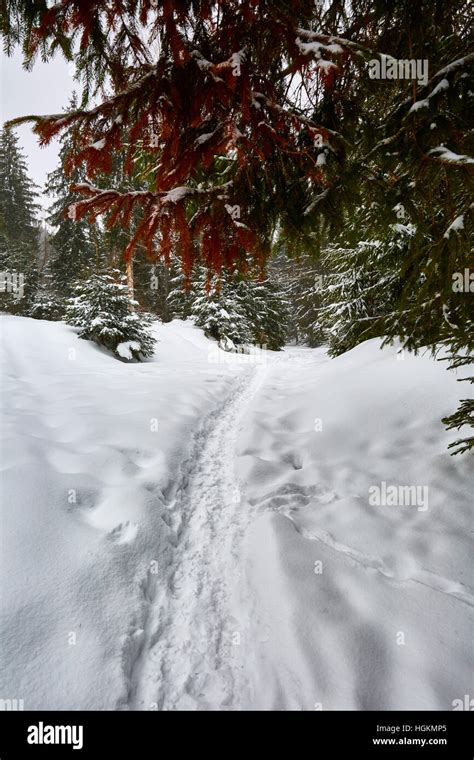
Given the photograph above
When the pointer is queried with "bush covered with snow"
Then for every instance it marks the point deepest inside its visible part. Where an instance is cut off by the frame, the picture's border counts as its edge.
(47, 306)
(104, 312)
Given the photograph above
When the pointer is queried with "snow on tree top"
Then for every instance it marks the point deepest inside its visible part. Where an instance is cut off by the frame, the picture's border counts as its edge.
(99, 144)
(425, 103)
(459, 63)
(317, 47)
(443, 85)
(204, 138)
(176, 194)
(455, 226)
(326, 65)
(404, 229)
(445, 154)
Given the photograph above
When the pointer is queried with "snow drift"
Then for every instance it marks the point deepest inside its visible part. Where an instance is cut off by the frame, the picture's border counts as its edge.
(362, 604)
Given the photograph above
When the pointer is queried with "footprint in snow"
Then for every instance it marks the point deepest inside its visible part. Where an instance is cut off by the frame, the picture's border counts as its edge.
(124, 533)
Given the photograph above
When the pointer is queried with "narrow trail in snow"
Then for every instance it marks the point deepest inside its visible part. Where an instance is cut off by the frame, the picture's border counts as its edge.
(187, 653)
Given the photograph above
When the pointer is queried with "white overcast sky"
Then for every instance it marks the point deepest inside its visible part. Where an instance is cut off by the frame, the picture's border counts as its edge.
(45, 89)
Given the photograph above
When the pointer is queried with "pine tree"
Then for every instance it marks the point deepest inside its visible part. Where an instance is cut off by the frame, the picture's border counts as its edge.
(46, 305)
(153, 284)
(236, 311)
(103, 311)
(300, 282)
(75, 252)
(266, 310)
(360, 291)
(461, 355)
(464, 415)
(220, 311)
(181, 293)
(18, 228)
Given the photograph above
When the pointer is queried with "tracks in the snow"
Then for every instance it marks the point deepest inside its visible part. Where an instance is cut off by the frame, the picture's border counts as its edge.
(454, 589)
(185, 654)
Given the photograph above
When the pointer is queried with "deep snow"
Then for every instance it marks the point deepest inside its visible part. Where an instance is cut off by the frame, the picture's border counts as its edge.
(197, 532)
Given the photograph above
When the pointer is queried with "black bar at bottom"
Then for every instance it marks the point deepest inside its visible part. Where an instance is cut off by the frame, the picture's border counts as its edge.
(135, 734)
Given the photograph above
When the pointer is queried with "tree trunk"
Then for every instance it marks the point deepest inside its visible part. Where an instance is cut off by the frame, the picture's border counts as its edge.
(130, 277)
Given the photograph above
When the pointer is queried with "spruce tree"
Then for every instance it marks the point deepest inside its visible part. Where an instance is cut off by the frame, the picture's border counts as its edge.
(46, 305)
(220, 311)
(18, 228)
(361, 289)
(104, 312)
(181, 293)
(463, 417)
(300, 283)
(236, 311)
(75, 251)
(266, 310)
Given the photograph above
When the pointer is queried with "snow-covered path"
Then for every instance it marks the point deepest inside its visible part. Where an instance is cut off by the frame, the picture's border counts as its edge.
(187, 653)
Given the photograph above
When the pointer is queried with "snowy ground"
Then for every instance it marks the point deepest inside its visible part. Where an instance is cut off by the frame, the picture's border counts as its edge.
(198, 532)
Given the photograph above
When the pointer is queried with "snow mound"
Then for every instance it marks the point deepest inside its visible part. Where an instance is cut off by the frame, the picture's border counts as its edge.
(125, 350)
